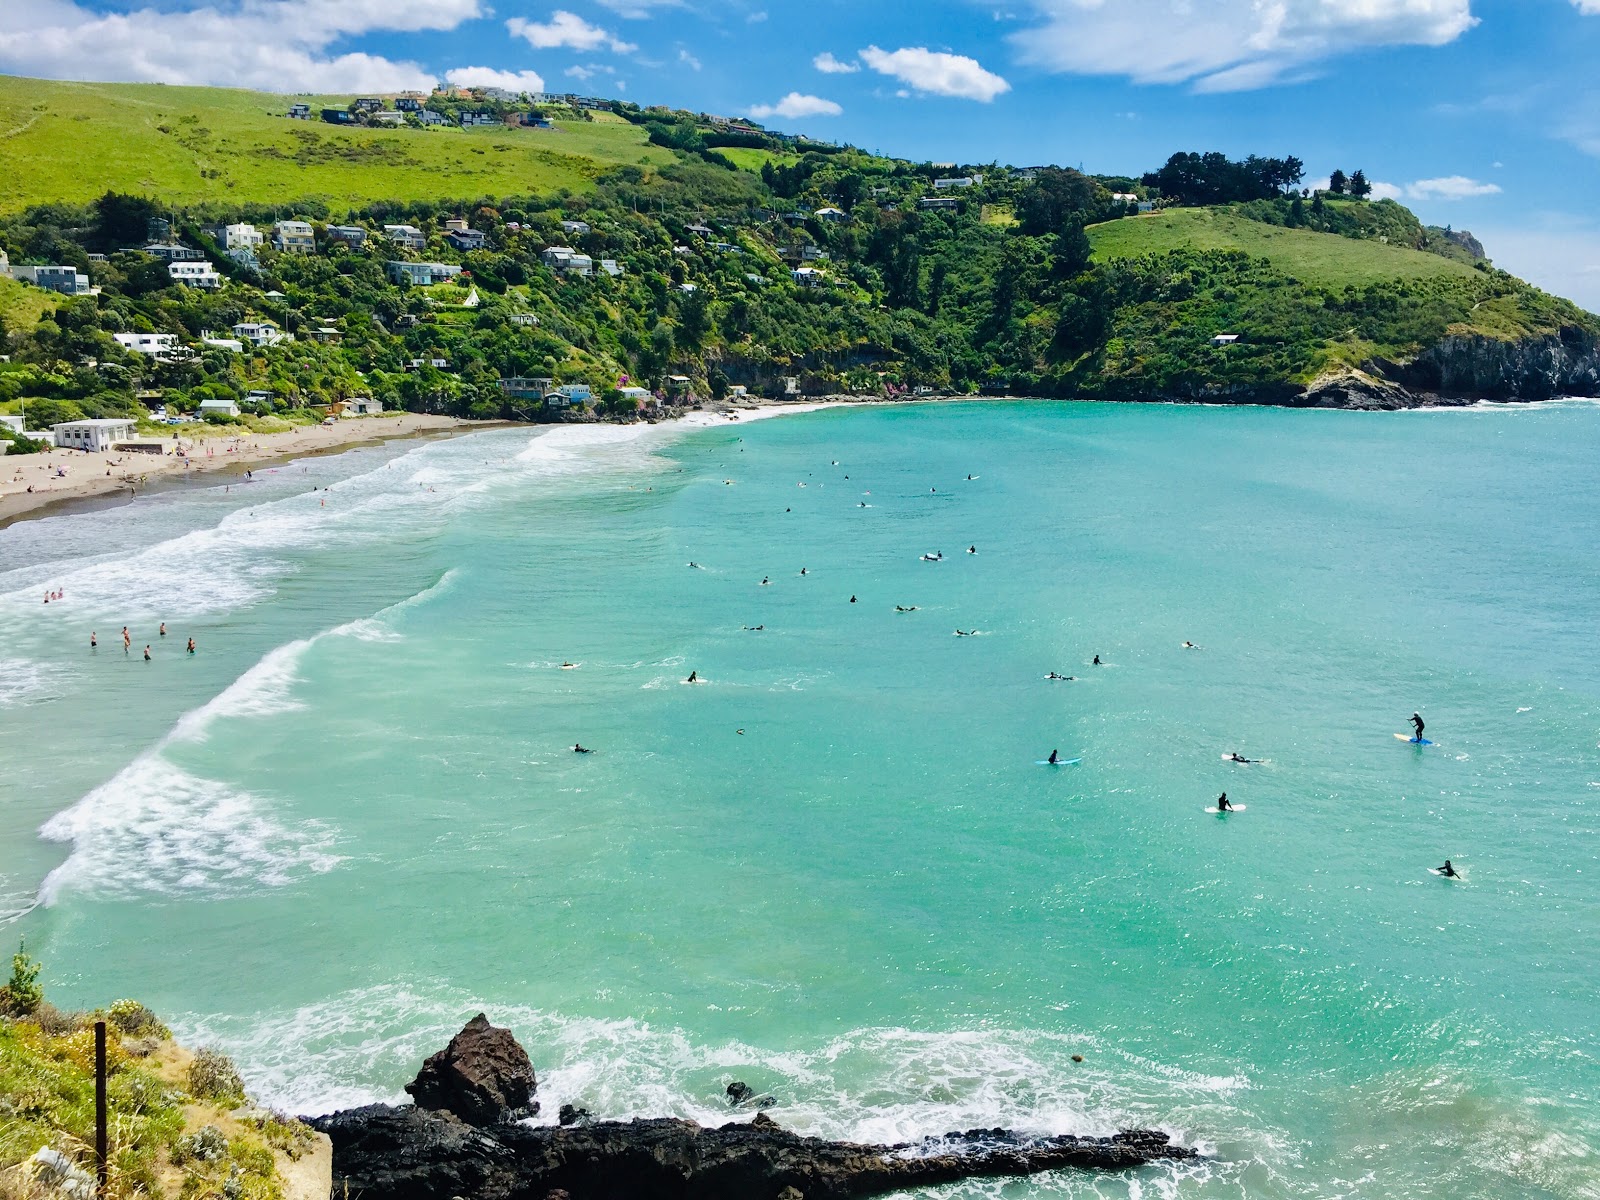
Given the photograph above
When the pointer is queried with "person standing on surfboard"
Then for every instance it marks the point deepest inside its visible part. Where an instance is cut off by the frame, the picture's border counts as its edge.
(1416, 720)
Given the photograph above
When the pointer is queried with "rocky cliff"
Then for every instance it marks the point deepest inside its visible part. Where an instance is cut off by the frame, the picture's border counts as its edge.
(468, 1141)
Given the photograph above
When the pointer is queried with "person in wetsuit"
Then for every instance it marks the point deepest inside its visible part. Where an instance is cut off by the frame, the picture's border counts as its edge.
(1417, 723)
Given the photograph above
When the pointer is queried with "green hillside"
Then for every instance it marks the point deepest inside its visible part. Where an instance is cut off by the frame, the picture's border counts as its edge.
(70, 142)
(1319, 259)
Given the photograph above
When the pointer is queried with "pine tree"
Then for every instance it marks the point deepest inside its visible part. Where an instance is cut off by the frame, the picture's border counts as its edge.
(1359, 187)
(1336, 183)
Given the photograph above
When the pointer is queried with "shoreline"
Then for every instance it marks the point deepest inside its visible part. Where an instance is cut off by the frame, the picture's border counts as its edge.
(122, 477)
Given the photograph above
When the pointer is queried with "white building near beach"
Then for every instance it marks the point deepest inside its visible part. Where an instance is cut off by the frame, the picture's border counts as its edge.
(100, 433)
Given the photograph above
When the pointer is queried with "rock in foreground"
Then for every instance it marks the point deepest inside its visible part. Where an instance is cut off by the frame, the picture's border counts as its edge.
(483, 1076)
(411, 1154)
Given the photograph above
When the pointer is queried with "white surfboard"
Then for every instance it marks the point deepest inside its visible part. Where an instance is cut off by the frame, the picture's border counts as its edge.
(1229, 809)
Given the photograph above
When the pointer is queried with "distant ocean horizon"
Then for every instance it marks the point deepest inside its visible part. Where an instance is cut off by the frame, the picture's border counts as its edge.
(836, 868)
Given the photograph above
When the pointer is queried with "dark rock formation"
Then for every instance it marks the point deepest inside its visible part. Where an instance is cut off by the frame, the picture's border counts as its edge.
(742, 1095)
(483, 1076)
(411, 1154)
(572, 1115)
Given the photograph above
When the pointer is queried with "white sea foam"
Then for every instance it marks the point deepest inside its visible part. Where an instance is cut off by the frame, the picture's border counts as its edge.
(884, 1085)
(156, 827)
(25, 682)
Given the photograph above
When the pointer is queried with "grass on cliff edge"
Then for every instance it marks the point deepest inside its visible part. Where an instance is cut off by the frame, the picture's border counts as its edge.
(72, 141)
(1319, 259)
(173, 1128)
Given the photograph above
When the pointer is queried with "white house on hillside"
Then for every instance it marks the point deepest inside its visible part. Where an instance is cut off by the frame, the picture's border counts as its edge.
(294, 237)
(154, 344)
(421, 274)
(196, 275)
(408, 236)
(260, 333)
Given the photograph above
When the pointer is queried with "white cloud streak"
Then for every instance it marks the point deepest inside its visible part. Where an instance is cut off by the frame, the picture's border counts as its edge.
(936, 73)
(1229, 45)
(566, 30)
(487, 77)
(1450, 187)
(273, 45)
(795, 106)
(829, 65)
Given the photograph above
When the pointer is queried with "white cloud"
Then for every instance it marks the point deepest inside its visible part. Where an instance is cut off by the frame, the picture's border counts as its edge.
(274, 45)
(1385, 191)
(829, 65)
(586, 73)
(795, 106)
(688, 60)
(1588, 7)
(565, 29)
(1229, 45)
(937, 73)
(1450, 187)
(487, 77)
(637, 9)
(1562, 260)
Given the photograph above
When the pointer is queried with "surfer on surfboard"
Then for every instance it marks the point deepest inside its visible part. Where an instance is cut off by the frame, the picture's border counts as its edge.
(1235, 756)
(1448, 871)
(1222, 803)
(1417, 723)
(1055, 758)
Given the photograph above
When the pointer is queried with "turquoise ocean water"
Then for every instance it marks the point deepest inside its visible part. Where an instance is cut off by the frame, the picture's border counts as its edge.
(833, 869)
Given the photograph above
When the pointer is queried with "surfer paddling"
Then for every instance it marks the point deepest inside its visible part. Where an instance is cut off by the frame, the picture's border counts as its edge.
(1055, 758)
(1418, 725)
(1448, 871)
(1235, 756)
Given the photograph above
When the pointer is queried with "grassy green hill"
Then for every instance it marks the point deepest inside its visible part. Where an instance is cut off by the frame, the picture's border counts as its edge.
(1320, 259)
(70, 142)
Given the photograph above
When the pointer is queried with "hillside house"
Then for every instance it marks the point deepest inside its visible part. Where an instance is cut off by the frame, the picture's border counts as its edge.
(213, 342)
(155, 345)
(294, 237)
(700, 230)
(567, 260)
(408, 104)
(260, 334)
(428, 117)
(325, 335)
(172, 252)
(350, 235)
(300, 112)
(219, 408)
(834, 215)
(361, 406)
(524, 320)
(939, 204)
(520, 387)
(569, 395)
(808, 277)
(612, 267)
(338, 116)
(68, 281)
(959, 181)
(95, 435)
(200, 275)
(241, 236)
(467, 239)
(387, 118)
(576, 228)
(470, 118)
(408, 236)
(591, 103)
(421, 274)
(369, 104)
(1225, 339)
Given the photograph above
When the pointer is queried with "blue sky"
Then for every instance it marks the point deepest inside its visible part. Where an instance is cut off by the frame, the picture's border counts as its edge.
(1484, 114)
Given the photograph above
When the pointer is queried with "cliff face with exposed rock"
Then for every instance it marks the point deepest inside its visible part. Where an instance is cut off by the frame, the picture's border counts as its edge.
(466, 1136)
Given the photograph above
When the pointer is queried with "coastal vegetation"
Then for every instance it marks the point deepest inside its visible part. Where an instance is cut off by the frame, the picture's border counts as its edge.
(742, 260)
(177, 1126)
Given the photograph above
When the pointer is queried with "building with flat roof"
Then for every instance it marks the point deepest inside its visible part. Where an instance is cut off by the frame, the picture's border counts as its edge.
(100, 433)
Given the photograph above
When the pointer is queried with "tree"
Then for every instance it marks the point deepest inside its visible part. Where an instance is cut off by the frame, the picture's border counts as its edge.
(1359, 187)
(121, 221)
(1052, 199)
(1073, 250)
(22, 995)
(1336, 182)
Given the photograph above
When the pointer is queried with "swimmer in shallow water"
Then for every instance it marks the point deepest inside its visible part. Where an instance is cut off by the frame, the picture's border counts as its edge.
(1097, 662)
(1063, 678)
(903, 608)
(581, 749)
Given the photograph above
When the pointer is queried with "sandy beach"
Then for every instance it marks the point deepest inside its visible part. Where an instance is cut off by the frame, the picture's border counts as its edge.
(32, 482)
